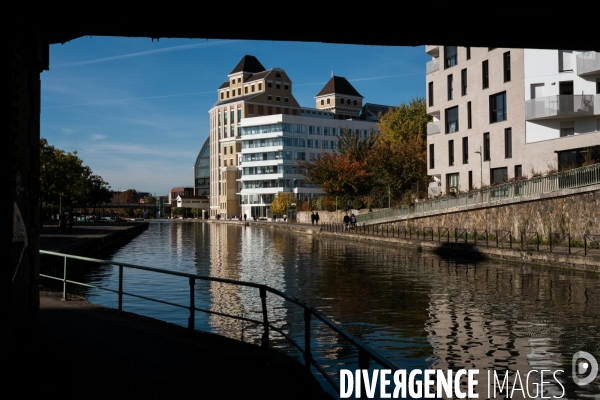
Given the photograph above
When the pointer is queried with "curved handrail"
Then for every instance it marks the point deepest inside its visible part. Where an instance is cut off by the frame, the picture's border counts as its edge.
(365, 353)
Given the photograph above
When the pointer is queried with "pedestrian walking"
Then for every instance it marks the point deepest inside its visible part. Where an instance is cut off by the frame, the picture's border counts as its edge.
(69, 222)
(346, 222)
(244, 217)
(317, 218)
(312, 218)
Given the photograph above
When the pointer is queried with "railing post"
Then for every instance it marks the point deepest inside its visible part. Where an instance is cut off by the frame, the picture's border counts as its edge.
(191, 318)
(65, 280)
(263, 300)
(307, 353)
(120, 289)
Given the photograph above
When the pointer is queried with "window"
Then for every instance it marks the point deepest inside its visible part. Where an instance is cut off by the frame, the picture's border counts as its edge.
(355, 103)
(507, 66)
(430, 93)
(469, 124)
(499, 175)
(450, 57)
(221, 95)
(567, 128)
(239, 91)
(485, 74)
(239, 114)
(269, 97)
(239, 80)
(465, 150)
(431, 157)
(225, 150)
(468, 53)
(463, 82)
(518, 171)
(259, 86)
(286, 87)
(277, 98)
(286, 99)
(451, 153)
(342, 101)
(508, 143)
(486, 146)
(232, 116)
(498, 107)
(252, 89)
(452, 119)
(322, 102)
(565, 60)
(278, 86)
(245, 89)
(451, 182)
(233, 93)
(470, 180)
(269, 84)
(328, 101)
(450, 87)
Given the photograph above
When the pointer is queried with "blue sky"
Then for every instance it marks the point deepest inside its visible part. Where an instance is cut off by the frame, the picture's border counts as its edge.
(136, 110)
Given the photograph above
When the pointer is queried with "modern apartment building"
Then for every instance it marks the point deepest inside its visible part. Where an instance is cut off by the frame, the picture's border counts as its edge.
(272, 144)
(258, 131)
(504, 113)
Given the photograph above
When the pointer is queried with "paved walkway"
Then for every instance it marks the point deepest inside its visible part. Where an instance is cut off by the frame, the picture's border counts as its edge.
(92, 352)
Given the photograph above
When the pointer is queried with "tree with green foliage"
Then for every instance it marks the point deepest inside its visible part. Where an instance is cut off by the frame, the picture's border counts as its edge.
(66, 182)
(400, 123)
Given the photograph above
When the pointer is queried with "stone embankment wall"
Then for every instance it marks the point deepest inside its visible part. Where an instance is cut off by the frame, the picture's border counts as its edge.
(578, 214)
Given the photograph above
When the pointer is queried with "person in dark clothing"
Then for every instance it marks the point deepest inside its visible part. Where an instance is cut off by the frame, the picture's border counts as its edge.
(244, 217)
(69, 223)
(312, 218)
(346, 222)
(317, 218)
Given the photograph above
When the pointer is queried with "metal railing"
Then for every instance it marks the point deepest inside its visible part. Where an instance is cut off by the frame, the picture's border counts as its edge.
(432, 66)
(562, 105)
(574, 178)
(588, 63)
(365, 353)
(499, 238)
(433, 127)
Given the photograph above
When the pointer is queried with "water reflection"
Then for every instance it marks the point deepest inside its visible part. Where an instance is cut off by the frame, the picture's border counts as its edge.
(419, 310)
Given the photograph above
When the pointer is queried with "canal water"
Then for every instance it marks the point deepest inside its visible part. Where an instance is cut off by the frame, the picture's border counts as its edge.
(418, 310)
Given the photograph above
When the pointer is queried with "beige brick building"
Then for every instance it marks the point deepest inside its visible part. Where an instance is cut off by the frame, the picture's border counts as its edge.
(503, 113)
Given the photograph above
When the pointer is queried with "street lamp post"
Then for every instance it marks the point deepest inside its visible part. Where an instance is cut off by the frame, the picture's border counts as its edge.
(480, 167)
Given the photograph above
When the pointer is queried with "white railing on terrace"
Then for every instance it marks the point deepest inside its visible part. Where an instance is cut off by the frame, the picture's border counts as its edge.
(432, 65)
(574, 178)
(564, 105)
(433, 127)
(588, 63)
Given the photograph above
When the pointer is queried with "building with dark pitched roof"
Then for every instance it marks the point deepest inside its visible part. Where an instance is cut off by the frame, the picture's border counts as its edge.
(339, 97)
(241, 131)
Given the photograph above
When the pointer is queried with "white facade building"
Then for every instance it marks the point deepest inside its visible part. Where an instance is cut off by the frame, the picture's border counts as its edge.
(505, 113)
(270, 146)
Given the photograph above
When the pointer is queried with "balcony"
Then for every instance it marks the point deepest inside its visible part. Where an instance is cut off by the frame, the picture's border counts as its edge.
(559, 106)
(433, 127)
(432, 65)
(588, 63)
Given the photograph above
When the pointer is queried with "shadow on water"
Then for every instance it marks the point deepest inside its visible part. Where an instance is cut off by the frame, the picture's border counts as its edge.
(460, 251)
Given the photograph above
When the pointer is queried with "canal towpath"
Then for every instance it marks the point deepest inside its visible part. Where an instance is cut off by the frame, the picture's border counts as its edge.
(94, 352)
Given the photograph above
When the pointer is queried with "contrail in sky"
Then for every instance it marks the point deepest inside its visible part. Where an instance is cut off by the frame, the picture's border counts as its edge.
(144, 53)
(132, 99)
(362, 79)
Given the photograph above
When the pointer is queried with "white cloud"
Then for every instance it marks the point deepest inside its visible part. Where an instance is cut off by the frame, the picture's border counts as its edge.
(68, 131)
(97, 136)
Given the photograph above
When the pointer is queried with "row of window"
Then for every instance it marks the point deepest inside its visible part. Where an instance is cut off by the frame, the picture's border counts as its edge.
(497, 175)
(278, 98)
(272, 169)
(497, 113)
(231, 132)
(222, 117)
(348, 101)
(485, 77)
(299, 129)
(465, 149)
